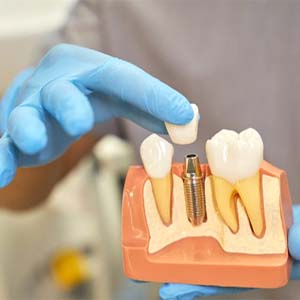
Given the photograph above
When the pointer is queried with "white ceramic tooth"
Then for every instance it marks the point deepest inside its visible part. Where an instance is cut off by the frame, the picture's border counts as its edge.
(157, 155)
(185, 134)
(234, 160)
(235, 156)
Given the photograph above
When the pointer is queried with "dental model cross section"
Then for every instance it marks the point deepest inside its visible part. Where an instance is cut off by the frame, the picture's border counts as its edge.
(234, 160)
(185, 134)
(157, 155)
(219, 224)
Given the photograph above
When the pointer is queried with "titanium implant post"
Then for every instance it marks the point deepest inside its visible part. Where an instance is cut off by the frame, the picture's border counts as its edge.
(193, 182)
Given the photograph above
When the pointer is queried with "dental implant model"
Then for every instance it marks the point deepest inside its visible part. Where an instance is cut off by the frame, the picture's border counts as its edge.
(224, 223)
(193, 181)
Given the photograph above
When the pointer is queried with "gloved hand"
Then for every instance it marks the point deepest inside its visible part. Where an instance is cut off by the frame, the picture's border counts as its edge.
(173, 291)
(49, 107)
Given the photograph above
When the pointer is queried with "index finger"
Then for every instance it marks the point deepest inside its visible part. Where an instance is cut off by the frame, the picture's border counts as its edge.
(133, 85)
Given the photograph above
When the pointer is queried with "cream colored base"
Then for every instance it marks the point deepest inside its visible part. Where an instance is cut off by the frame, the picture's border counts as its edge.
(244, 241)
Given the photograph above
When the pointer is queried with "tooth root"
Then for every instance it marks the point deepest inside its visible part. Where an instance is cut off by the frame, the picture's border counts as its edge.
(162, 190)
(249, 190)
(224, 193)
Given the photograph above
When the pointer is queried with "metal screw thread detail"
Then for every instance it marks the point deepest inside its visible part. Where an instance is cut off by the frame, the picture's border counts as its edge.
(194, 191)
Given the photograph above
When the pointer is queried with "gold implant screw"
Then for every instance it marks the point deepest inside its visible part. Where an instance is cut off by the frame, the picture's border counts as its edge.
(193, 181)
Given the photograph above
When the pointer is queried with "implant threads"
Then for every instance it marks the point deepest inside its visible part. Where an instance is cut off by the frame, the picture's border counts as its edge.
(193, 182)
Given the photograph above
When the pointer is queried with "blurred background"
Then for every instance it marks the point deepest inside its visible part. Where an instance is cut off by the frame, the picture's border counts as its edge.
(68, 248)
(24, 26)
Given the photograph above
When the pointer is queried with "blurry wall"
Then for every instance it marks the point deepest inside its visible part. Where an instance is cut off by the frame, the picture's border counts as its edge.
(24, 25)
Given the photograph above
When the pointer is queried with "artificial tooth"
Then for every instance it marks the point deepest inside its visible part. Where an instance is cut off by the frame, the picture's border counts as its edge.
(185, 134)
(157, 155)
(234, 160)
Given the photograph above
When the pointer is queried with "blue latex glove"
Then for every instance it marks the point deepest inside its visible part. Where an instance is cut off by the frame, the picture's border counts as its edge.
(173, 291)
(49, 107)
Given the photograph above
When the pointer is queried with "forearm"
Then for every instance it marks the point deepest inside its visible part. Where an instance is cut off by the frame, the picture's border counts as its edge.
(32, 185)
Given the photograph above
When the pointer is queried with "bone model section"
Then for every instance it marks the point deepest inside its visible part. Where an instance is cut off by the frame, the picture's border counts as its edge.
(273, 241)
(234, 160)
(157, 155)
(185, 134)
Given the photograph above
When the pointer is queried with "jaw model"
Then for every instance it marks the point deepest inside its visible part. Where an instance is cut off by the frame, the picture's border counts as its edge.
(242, 242)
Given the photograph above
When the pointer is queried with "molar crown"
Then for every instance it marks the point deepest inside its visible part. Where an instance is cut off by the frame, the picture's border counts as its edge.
(235, 156)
